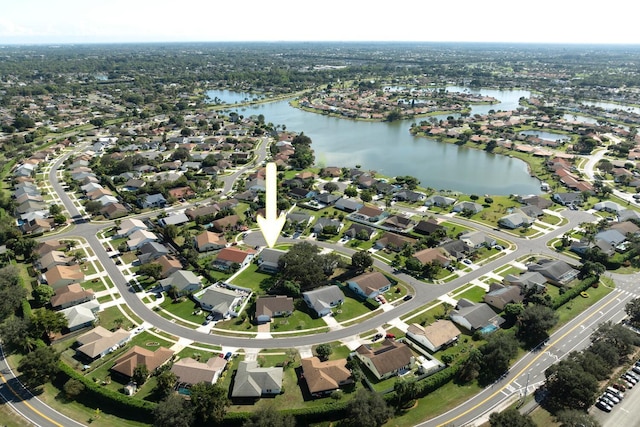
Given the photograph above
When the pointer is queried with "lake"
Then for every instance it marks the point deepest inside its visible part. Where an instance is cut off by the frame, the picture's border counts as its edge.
(391, 150)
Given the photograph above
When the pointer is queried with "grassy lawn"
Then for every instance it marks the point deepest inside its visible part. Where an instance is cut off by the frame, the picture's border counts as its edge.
(95, 285)
(109, 317)
(428, 316)
(351, 308)
(474, 294)
(251, 278)
(184, 310)
(510, 270)
(579, 304)
(298, 320)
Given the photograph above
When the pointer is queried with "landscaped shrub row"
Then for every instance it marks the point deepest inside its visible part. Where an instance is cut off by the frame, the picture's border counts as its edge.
(573, 292)
(431, 383)
(107, 400)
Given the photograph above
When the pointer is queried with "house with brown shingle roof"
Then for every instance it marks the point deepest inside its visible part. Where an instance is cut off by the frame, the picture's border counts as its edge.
(226, 223)
(53, 258)
(430, 255)
(325, 377)
(439, 334)
(393, 242)
(49, 245)
(63, 275)
(370, 284)
(126, 364)
(190, 371)
(70, 295)
(209, 241)
(229, 256)
(386, 361)
(169, 264)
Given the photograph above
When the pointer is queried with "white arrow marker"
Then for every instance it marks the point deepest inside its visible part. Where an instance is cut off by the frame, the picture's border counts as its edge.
(272, 224)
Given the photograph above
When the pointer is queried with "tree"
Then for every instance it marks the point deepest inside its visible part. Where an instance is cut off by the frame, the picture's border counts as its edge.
(39, 366)
(140, 374)
(569, 386)
(54, 209)
(42, 294)
(93, 207)
(510, 418)
(151, 269)
(361, 260)
(165, 381)
(575, 418)
(616, 336)
(497, 353)
(633, 310)
(174, 411)
(47, 322)
(331, 187)
(73, 388)
(368, 408)
(209, 403)
(269, 416)
(324, 351)
(534, 322)
(16, 332)
(351, 191)
(304, 265)
(406, 392)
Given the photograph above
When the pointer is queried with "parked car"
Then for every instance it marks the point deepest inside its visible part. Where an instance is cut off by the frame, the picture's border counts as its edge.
(467, 261)
(612, 397)
(619, 387)
(390, 336)
(603, 406)
(376, 337)
(606, 400)
(407, 297)
(228, 355)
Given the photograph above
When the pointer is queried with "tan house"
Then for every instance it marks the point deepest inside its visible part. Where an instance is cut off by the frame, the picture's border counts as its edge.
(63, 275)
(100, 341)
(209, 241)
(389, 360)
(169, 265)
(126, 364)
(430, 255)
(70, 295)
(268, 307)
(53, 258)
(440, 334)
(190, 371)
(325, 377)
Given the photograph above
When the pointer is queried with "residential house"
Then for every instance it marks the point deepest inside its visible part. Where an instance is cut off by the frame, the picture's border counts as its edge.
(398, 222)
(107, 200)
(184, 281)
(348, 205)
(439, 201)
(228, 257)
(369, 213)
(629, 215)
(271, 306)
(254, 381)
(370, 284)
(137, 356)
(181, 193)
(70, 295)
(169, 265)
(152, 201)
(37, 226)
(500, 295)
(324, 222)
(151, 251)
(477, 239)
(129, 226)
(393, 358)
(431, 255)
(194, 214)
(429, 226)
(134, 184)
(114, 210)
(326, 199)
(226, 223)
(441, 333)
(173, 219)
(189, 371)
(323, 299)
(301, 193)
(475, 316)
(472, 207)
(99, 342)
(568, 199)
(608, 206)
(456, 249)
(360, 231)
(139, 238)
(515, 220)
(268, 260)
(527, 280)
(53, 258)
(557, 272)
(49, 245)
(393, 242)
(627, 228)
(62, 275)
(299, 219)
(81, 315)
(409, 196)
(610, 240)
(220, 301)
(323, 378)
(209, 241)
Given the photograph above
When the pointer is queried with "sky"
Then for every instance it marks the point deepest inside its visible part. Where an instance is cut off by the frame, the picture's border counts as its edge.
(131, 21)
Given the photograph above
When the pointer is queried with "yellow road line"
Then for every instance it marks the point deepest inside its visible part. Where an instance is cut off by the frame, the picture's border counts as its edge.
(522, 371)
(27, 404)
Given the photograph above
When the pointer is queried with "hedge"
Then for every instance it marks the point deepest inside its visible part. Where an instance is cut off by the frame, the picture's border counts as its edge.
(107, 400)
(572, 293)
(431, 383)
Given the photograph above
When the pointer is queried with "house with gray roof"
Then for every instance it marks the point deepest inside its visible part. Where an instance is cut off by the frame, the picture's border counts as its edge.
(500, 295)
(323, 299)
(270, 306)
(475, 316)
(220, 301)
(323, 222)
(348, 205)
(515, 220)
(467, 206)
(184, 281)
(477, 239)
(628, 215)
(370, 284)
(151, 251)
(527, 280)
(608, 206)
(152, 201)
(268, 260)
(254, 381)
(556, 271)
(439, 201)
